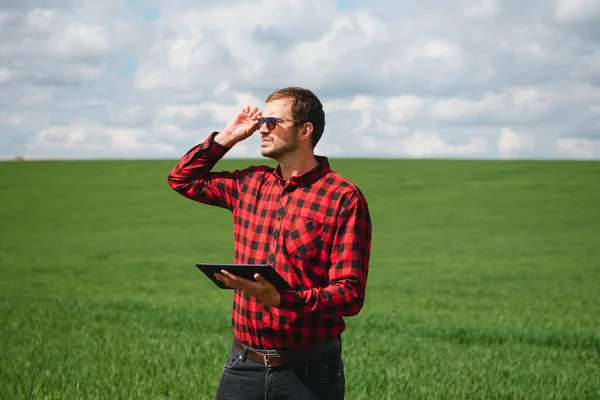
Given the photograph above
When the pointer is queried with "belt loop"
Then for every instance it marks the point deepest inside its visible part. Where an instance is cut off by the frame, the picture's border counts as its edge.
(244, 353)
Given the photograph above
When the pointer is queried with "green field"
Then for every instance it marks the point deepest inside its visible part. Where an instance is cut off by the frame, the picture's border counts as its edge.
(484, 282)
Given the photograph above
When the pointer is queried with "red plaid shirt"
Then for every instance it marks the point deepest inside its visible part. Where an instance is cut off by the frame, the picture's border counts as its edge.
(315, 230)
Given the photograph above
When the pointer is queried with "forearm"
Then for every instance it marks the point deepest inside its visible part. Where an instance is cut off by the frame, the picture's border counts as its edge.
(343, 298)
(191, 177)
(225, 139)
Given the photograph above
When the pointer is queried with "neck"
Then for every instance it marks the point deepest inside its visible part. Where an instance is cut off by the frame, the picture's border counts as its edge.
(296, 164)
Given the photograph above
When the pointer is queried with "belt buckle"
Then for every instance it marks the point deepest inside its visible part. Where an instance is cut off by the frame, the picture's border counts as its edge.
(266, 358)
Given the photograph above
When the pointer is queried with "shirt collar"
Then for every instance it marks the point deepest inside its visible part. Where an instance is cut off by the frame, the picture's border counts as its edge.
(309, 177)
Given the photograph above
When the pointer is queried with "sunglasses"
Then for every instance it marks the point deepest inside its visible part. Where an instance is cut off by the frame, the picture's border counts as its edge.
(273, 121)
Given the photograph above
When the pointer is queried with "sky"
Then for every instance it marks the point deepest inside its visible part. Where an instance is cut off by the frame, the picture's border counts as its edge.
(468, 79)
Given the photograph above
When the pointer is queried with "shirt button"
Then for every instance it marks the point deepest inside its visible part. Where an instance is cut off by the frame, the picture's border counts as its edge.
(273, 245)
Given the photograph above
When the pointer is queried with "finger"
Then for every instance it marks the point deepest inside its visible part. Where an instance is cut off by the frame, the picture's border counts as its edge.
(228, 274)
(234, 280)
(230, 280)
(262, 281)
(257, 114)
(252, 110)
(222, 279)
(252, 126)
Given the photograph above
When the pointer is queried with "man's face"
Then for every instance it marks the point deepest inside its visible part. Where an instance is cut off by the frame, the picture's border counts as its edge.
(283, 139)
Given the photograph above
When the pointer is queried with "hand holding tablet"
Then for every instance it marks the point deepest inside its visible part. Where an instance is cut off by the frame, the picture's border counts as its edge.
(246, 271)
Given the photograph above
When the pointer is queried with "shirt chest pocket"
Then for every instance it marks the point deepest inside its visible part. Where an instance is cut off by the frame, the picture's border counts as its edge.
(303, 237)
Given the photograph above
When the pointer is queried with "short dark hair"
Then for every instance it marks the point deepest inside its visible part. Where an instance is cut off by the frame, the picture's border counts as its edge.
(306, 107)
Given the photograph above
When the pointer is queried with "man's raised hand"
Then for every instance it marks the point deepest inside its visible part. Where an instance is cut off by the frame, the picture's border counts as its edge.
(241, 127)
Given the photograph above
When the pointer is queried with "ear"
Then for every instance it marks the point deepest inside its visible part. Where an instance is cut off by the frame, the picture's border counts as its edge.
(306, 131)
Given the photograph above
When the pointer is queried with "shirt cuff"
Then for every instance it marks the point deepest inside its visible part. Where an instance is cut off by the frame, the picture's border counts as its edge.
(216, 149)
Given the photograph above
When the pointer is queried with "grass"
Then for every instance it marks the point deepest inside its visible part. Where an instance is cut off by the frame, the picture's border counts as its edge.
(484, 282)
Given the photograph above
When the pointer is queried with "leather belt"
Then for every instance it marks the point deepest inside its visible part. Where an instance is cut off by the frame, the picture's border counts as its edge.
(273, 360)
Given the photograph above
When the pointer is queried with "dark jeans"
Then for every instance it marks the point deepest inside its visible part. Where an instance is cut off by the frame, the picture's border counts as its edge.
(319, 377)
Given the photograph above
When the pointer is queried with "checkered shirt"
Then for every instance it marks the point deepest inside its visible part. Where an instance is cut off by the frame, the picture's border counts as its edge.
(315, 230)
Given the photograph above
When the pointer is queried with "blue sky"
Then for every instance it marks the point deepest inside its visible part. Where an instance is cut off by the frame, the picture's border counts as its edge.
(488, 79)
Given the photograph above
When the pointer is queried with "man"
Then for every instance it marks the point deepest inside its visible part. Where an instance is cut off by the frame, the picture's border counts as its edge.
(309, 223)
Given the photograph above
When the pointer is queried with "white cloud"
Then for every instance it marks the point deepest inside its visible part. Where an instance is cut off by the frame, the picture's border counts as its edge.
(345, 35)
(177, 112)
(403, 108)
(149, 77)
(81, 140)
(132, 115)
(184, 53)
(435, 49)
(576, 10)
(84, 73)
(363, 106)
(482, 8)
(425, 144)
(532, 100)
(5, 75)
(518, 103)
(361, 103)
(221, 88)
(511, 143)
(64, 35)
(456, 108)
(215, 111)
(36, 98)
(579, 148)
(79, 39)
(41, 20)
(391, 129)
(329, 149)
(373, 28)
(429, 144)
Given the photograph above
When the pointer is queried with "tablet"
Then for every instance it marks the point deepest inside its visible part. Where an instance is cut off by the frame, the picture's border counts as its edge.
(246, 271)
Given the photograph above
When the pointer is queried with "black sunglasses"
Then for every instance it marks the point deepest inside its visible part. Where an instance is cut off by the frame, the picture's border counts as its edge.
(273, 121)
